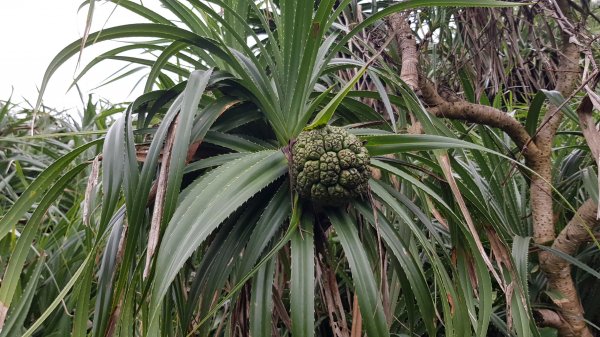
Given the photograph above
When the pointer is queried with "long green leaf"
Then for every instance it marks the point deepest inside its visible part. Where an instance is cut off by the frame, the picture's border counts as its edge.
(189, 106)
(590, 179)
(277, 211)
(108, 267)
(413, 271)
(83, 293)
(143, 11)
(455, 318)
(161, 61)
(112, 170)
(223, 191)
(467, 85)
(557, 99)
(302, 283)
(520, 298)
(216, 262)
(574, 261)
(261, 305)
(369, 298)
(135, 30)
(295, 220)
(385, 144)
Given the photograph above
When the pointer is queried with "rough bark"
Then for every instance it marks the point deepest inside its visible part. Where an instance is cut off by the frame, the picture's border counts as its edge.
(548, 318)
(541, 192)
(409, 72)
(558, 274)
(558, 270)
(480, 114)
(408, 49)
(486, 115)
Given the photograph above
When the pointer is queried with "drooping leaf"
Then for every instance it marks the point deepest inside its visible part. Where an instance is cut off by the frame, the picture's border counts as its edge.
(302, 283)
(392, 143)
(209, 203)
(189, 106)
(261, 305)
(369, 297)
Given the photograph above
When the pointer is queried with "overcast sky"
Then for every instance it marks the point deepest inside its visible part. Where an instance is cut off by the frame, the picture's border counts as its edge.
(32, 32)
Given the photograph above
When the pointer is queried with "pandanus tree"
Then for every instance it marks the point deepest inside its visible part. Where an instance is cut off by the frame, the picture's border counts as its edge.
(274, 190)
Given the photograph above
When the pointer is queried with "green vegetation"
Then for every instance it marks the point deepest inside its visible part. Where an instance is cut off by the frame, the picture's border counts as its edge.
(210, 205)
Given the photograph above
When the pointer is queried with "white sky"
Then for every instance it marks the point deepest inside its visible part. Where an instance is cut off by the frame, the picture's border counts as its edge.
(32, 32)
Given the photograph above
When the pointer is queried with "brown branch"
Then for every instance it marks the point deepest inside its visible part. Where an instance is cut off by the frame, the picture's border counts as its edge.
(541, 190)
(409, 72)
(480, 114)
(486, 115)
(558, 270)
(408, 49)
(568, 75)
(548, 318)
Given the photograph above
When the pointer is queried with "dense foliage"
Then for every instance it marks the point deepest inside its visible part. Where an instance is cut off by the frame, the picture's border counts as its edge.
(190, 215)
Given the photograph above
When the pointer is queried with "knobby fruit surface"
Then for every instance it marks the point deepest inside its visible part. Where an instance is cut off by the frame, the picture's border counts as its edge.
(330, 165)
